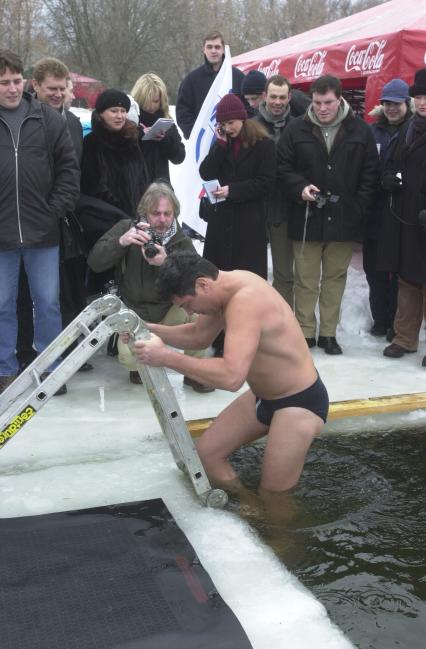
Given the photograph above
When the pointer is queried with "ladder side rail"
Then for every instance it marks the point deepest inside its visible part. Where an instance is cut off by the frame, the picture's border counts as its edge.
(79, 326)
(169, 415)
(24, 408)
(174, 427)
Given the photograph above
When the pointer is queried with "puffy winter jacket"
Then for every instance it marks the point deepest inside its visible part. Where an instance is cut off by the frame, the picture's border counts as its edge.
(39, 178)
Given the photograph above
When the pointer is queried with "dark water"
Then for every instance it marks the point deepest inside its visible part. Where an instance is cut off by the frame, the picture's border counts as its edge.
(357, 537)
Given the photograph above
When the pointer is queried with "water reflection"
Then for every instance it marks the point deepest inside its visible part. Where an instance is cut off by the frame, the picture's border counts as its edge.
(354, 532)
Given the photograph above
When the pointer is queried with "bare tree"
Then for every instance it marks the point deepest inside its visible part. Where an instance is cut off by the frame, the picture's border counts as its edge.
(106, 38)
(21, 27)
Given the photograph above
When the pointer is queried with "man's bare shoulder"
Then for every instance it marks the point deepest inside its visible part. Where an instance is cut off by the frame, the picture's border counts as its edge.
(252, 290)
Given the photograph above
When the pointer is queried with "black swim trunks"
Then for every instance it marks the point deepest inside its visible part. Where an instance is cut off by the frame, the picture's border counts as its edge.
(314, 398)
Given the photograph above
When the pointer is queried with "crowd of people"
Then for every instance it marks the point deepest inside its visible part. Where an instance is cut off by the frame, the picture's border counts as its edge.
(302, 173)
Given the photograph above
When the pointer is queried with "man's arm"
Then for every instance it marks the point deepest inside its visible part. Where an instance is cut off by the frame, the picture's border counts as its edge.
(292, 181)
(66, 182)
(369, 177)
(243, 330)
(185, 111)
(192, 335)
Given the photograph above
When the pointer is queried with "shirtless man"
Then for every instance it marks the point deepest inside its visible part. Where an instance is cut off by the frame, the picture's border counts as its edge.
(264, 346)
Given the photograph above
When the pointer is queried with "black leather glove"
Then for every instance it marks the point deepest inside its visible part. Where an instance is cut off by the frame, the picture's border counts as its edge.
(392, 183)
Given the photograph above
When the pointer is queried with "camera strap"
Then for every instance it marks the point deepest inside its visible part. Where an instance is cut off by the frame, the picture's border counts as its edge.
(305, 225)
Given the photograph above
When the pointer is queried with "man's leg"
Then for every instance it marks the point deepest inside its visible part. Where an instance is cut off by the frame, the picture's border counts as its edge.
(177, 316)
(10, 261)
(234, 427)
(335, 262)
(25, 352)
(290, 435)
(307, 273)
(409, 315)
(282, 260)
(42, 268)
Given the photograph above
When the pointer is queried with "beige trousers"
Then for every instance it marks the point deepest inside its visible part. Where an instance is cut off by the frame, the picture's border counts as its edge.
(174, 316)
(410, 312)
(320, 276)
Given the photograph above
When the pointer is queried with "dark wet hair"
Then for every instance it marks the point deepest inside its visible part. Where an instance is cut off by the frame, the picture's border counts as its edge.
(180, 271)
(325, 83)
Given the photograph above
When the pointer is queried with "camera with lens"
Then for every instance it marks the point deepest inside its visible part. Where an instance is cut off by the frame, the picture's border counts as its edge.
(322, 199)
(149, 247)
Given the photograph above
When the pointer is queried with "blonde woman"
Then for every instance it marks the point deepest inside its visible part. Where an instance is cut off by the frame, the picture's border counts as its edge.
(150, 93)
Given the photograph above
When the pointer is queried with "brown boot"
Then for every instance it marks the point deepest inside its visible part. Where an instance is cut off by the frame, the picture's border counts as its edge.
(135, 378)
(196, 385)
(5, 381)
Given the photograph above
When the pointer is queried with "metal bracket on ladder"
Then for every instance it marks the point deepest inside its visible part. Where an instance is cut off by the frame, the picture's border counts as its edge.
(16, 408)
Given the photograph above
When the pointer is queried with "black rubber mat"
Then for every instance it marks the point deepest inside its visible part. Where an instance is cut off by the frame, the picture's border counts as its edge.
(122, 577)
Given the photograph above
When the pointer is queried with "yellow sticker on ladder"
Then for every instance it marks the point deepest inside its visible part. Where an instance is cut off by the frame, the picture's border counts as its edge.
(16, 424)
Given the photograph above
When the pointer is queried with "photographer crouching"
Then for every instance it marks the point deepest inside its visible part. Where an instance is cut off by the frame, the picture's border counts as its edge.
(137, 250)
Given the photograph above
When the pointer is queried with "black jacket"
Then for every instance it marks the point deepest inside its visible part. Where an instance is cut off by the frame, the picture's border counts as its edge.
(159, 153)
(402, 242)
(349, 171)
(235, 236)
(386, 141)
(136, 278)
(41, 184)
(275, 205)
(113, 169)
(194, 89)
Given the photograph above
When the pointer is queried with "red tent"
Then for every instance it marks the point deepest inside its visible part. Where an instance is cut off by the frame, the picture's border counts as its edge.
(86, 89)
(364, 50)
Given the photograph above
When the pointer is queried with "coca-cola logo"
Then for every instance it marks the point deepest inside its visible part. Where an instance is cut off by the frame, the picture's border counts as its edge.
(311, 66)
(272, 68)
(369, 59)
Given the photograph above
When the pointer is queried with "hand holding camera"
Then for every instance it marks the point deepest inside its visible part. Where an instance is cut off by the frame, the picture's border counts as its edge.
(309, 192)
(392, 182)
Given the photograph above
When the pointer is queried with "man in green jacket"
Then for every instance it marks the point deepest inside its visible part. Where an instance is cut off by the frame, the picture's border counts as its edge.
(137, 252)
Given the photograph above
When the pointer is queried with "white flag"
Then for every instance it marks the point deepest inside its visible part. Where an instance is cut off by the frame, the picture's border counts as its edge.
(186, 180)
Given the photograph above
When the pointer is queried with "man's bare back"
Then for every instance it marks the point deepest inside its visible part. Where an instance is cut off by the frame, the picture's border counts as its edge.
(282, 364)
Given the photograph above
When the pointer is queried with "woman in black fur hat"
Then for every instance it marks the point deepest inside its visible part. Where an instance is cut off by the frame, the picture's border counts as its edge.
(113, 168)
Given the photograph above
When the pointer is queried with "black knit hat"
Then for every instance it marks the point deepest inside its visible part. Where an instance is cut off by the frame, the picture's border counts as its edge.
(230, 107)
(419, 85)
(253, 83)
(111, 98)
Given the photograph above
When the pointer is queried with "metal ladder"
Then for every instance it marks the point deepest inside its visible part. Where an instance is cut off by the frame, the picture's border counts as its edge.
(16, 408)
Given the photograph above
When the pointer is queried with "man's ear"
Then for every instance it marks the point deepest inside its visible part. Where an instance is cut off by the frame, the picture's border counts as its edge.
(202, 284)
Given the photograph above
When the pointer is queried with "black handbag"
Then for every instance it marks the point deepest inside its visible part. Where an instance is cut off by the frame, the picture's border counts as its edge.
(71, 237)
(205, 209)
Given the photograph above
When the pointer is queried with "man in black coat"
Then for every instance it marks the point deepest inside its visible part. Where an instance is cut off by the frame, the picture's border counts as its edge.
(328, 164)
(50, 83)
(195, 86)
(274, 113)
(35, 140)
(404, 233)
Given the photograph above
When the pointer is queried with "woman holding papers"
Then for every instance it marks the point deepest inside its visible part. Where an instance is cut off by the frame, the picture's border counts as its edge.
(166, 145)
(243, 162)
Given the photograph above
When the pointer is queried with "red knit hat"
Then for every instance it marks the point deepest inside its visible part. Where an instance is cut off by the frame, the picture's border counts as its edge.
(230, 107)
